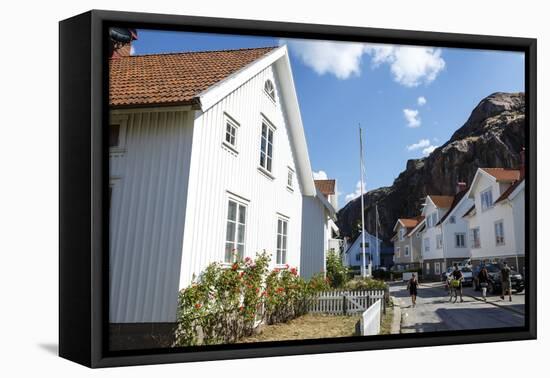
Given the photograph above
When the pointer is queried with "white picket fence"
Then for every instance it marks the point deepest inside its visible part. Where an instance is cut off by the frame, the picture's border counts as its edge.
(342, 302)
(370, 319)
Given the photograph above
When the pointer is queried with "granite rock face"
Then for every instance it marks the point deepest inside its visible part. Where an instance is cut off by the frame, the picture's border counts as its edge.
(492, 136)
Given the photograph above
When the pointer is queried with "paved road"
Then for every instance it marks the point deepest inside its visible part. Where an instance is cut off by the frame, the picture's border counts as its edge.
(434, 312)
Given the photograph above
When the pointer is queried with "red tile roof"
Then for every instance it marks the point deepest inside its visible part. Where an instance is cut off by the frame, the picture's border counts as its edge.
(173, 79)
(410, 222)
(456, 200)
(326, 187)
(503, 174)
(443, 202)
(509, 191)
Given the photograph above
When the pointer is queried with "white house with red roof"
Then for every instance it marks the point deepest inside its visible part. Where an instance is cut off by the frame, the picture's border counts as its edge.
(208, 163)
(407, 243)
(496, 220)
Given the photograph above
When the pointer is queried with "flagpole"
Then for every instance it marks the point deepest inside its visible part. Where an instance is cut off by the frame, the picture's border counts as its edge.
(364, 270)
(376, 228)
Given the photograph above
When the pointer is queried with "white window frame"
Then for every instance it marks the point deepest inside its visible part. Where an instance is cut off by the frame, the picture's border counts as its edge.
(265, 168)
(398, 252)
(437, 268)
(426, 244)
(499, 239)
(281, 257)
(122, 121)
(401, 234)
(271, 91)
(230, 121)
(407, 252)
(452, 219)
(485, 205)
(290, 179)
(427, 268)
(236, 232)
(473, 244)
(439, 241)
(457, 244)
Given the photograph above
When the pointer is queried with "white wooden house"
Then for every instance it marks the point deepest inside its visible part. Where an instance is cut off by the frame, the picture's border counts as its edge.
(433, 259)
(496, 220)
(407, 243)
(208, 162)
(353, 254)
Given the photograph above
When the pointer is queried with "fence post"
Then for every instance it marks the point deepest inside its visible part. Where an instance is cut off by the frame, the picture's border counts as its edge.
(344, 304)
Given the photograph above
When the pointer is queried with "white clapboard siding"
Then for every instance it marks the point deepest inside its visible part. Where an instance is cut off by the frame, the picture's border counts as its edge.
(314, 237)
(217, 172)
(149, 187)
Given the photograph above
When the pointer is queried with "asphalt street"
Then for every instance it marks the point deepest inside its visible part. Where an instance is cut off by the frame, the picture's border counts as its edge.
(434, 312)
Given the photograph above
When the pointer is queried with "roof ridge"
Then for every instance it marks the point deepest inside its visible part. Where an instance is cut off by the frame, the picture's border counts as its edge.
(196, 52)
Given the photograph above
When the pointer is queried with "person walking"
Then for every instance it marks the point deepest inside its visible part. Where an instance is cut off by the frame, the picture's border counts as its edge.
(412, 286)
(506, 279)
(483, 279)
(457, 275)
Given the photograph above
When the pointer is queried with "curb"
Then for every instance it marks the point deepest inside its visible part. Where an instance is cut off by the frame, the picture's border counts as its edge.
(504, 307)
(396, 321)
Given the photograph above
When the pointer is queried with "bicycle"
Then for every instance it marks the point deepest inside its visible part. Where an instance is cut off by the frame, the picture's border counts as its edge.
(454, 289)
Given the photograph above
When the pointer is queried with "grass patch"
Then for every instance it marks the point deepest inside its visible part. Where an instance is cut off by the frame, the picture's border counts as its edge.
(309, 326)
(386, 321)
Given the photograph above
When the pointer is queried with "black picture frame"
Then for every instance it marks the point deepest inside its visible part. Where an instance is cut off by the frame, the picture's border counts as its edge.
(83, 153)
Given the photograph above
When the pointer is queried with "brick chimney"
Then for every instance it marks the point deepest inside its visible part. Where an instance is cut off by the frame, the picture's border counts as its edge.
(460, 186)
(120, 42)
(522, 163)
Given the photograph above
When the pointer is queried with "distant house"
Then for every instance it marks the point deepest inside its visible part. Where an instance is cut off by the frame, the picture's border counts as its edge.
(208, 163)
(321, 237)
(433, 259)
(407, 245)
(496, 220)
(353, 252)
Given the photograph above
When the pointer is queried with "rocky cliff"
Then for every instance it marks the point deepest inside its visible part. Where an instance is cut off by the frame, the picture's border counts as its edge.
(492, 136)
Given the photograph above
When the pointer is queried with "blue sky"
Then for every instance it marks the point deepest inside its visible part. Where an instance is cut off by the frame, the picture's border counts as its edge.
(407, 99)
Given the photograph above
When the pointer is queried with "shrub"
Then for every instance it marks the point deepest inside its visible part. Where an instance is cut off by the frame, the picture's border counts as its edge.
(337, 272)
(365, 284)
(224, 304)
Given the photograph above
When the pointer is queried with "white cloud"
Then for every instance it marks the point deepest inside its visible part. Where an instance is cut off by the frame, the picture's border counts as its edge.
(428, 150)
(411, 115)
(420, 144)
(410, 65)
(421, 101)
(132, 50)
(342, 59)
(321, 175)
(357, 192)
(424, 144)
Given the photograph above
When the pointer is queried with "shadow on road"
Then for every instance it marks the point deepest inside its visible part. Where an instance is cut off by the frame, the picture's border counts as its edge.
(478, 318)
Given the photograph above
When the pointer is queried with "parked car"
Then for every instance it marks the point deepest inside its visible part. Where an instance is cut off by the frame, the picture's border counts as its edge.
(466, 273)
(495, 283)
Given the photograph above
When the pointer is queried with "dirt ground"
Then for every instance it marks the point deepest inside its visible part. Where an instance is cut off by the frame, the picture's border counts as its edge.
(309, 326)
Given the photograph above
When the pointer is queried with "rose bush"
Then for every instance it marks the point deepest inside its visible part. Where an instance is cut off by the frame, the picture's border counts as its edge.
(225, 302)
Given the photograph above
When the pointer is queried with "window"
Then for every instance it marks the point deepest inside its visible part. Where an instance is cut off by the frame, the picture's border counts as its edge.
(426, 244)
(282, 235)
(452, 219)
(357, 257)
(290, 179)
(117, 133)
(474, 238)
(427, 268)
(439, 241)
(406, 250)
(499, 233)
(114, 136)
(432, 220)
(437, 268)
(460, 240)
(266, 147)
(486, 199)
(397, 251)
(366, 245)
(230, 132)
(402, 234)
(269, 89)
(235, 233)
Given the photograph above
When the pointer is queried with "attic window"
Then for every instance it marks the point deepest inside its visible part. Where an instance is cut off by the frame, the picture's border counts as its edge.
(269, 89)
(117, 134)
